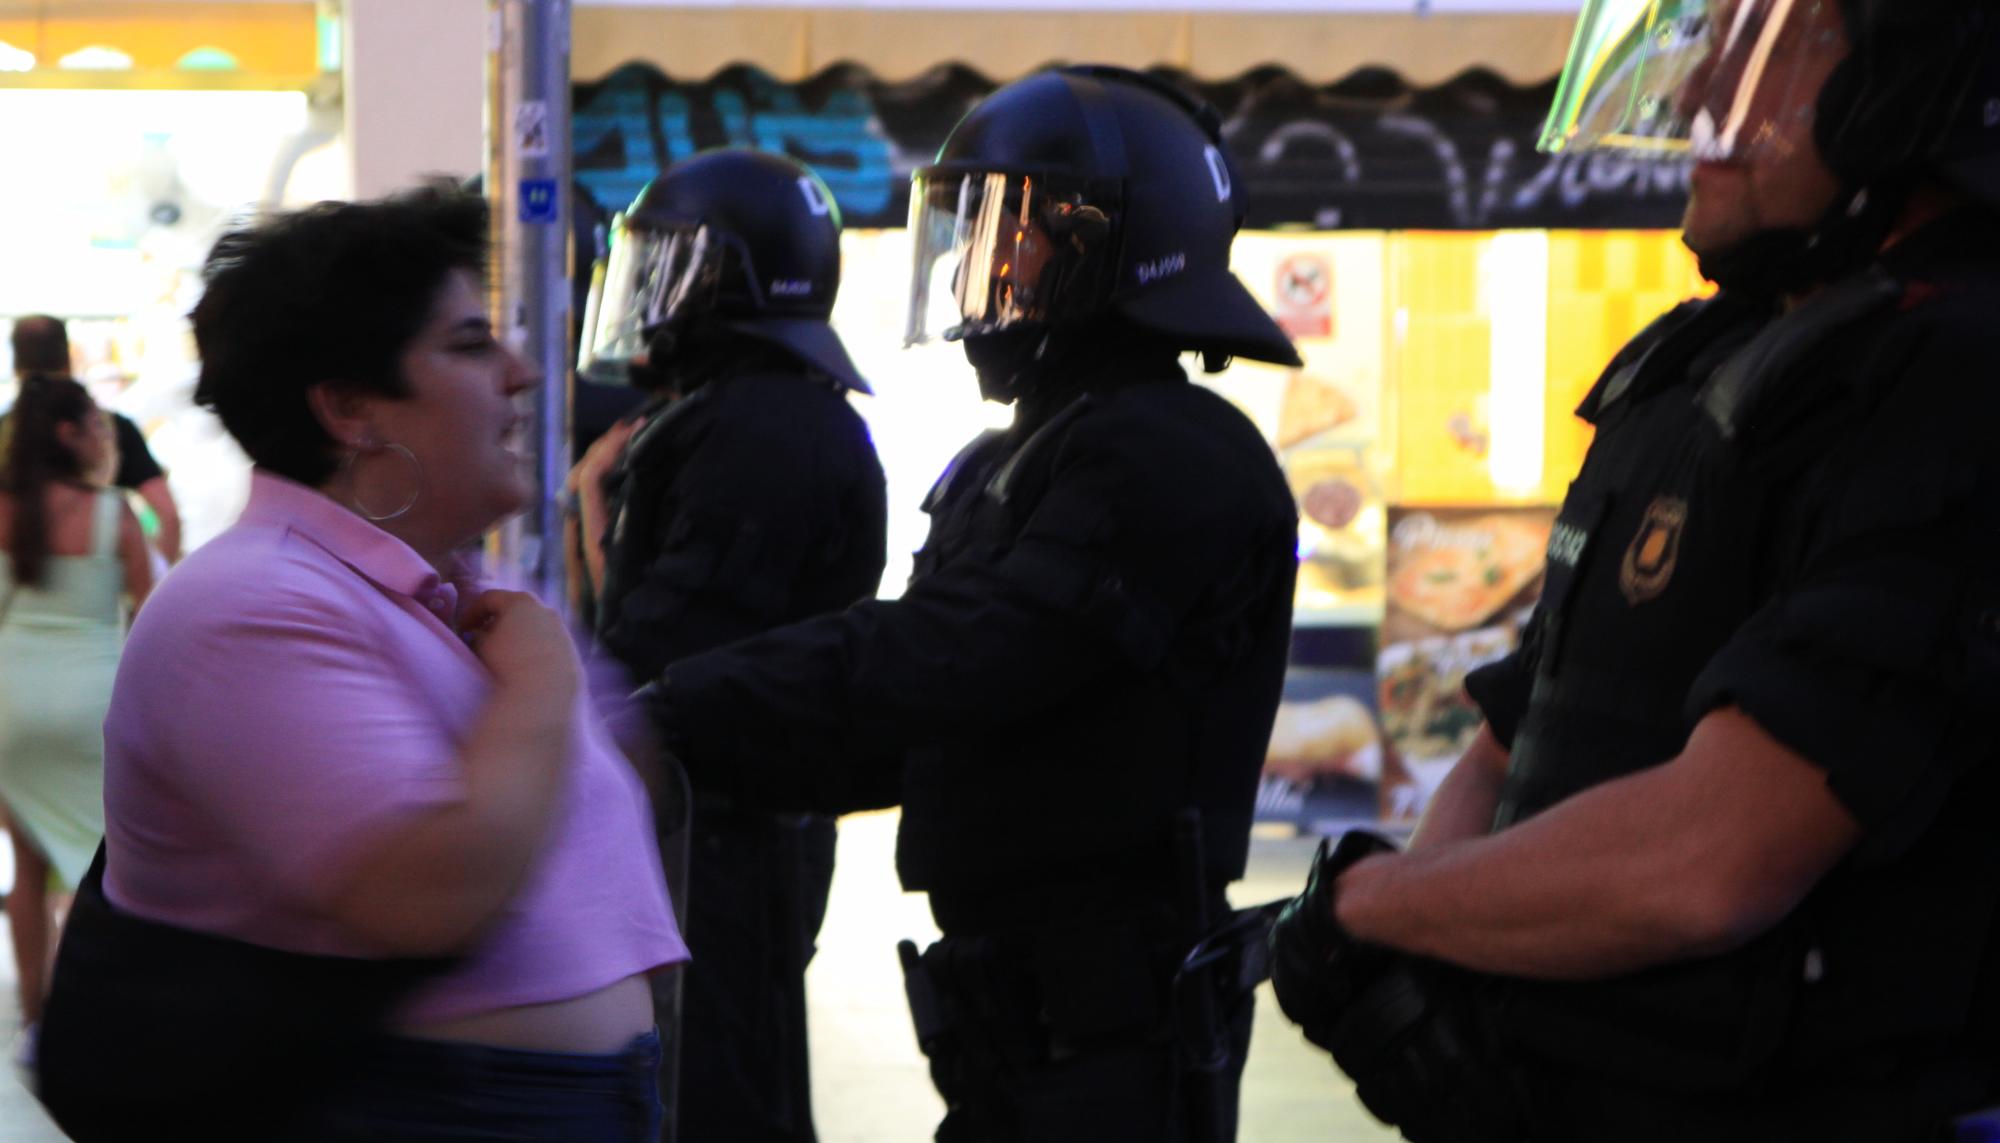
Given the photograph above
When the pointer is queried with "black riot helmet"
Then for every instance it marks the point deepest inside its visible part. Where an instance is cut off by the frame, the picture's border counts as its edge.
(731, 240)
(1888, 93)
(1918, 95)
(1080, 194)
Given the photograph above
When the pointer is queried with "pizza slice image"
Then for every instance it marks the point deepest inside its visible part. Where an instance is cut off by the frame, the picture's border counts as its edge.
(1313, 405)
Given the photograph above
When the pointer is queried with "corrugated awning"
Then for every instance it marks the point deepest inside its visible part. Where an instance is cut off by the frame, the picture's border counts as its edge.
(278, 38)
(794, 44)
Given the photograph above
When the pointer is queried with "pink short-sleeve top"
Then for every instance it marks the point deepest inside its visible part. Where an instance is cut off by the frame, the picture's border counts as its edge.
(295, 689)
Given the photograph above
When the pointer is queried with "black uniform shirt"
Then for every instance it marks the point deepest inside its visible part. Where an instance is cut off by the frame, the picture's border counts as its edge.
(136, 465)
(1095, 637)
(753, 502)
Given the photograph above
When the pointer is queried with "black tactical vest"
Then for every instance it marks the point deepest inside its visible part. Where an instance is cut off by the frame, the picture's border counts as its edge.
(1686, 521)
(1082, 796)
(689, 568)
(1653, 563)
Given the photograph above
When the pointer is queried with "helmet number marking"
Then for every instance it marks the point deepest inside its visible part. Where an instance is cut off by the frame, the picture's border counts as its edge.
(1218, 171)
(1167, 267)
(815, 198)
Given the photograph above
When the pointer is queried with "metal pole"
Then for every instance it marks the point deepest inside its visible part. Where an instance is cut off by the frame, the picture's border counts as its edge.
(528, 183)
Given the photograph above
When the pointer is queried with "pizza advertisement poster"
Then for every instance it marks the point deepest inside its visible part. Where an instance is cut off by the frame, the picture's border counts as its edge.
(1461, 585)
(1343, 524)
(1322, 769)
(1329, 292)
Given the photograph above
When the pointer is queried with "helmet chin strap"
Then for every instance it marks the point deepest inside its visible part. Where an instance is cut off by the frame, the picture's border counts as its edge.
(1775, 263)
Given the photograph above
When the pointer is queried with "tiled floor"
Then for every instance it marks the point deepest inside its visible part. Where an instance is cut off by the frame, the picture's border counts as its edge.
(869, 1081)
(21, 1118)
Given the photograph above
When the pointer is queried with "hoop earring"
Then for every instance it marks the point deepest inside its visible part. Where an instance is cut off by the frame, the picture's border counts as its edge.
(354, 498)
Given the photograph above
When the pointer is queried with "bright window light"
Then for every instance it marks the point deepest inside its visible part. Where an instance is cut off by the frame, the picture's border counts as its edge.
(1515, 276)
(162, 172)
(96, 58)
(208, 59)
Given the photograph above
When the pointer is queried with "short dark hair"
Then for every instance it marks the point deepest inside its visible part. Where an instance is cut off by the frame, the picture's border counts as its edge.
(40, 344)
(332, 293)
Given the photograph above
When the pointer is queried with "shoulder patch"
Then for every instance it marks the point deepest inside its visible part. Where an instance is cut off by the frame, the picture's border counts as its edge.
(1651, 557)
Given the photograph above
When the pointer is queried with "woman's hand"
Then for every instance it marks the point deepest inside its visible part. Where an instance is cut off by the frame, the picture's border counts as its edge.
(522, 642)
(431, 887)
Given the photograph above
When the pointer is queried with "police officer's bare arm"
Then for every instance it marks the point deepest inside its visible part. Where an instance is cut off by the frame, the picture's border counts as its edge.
(1692, 857)
(1464, 804)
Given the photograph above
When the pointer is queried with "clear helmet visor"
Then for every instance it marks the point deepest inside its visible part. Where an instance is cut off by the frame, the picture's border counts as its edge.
(1715, 79)
(997, 250)
(651, 277)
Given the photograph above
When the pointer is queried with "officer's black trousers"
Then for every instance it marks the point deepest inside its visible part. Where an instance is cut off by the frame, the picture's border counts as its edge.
(757, 893)
(1034, 1051)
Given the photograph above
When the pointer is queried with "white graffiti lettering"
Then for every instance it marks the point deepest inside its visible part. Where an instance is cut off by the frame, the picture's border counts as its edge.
(1330, 158)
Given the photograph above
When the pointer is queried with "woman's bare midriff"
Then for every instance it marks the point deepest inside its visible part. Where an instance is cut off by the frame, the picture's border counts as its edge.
(598, 1022)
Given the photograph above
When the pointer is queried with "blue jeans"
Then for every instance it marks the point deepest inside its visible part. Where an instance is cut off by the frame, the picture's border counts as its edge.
(424, 1089)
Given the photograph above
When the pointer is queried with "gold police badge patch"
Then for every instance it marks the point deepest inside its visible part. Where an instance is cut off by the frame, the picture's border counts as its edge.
(1649, 562)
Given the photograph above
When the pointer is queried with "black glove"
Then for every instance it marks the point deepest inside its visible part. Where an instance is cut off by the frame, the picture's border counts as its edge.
(1403, 1028)
(1416, 1043)
(1317, 967)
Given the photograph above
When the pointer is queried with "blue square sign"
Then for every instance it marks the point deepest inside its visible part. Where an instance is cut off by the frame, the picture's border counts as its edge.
(539, 202)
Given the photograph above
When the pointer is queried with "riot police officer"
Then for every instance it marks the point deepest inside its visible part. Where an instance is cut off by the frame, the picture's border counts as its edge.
(746, 496)
(1093, 640)
(1719, 866)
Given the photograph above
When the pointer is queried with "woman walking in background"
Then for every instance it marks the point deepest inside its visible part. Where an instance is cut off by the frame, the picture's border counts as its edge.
(74, 555)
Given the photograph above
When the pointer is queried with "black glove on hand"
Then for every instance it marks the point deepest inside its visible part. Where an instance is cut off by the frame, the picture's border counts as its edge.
(1422, 1058)
(1317, 967)
(1401, 1027)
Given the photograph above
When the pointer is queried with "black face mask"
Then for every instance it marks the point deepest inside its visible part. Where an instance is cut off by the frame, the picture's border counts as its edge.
(1036, 367)
(1011, 363)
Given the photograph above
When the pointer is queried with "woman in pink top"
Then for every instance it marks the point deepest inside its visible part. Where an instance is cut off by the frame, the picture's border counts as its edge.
(325, 739)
